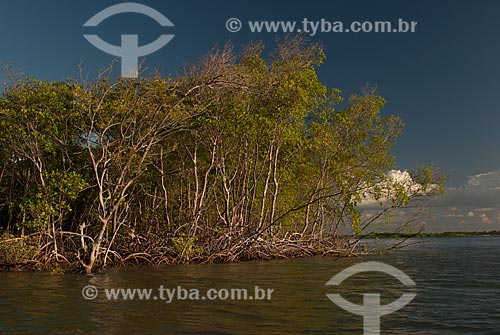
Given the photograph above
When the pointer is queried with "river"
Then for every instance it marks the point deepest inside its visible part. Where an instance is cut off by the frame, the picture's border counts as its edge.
(457, 292)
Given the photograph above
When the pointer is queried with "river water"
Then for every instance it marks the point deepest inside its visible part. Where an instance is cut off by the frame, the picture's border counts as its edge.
(457, 292)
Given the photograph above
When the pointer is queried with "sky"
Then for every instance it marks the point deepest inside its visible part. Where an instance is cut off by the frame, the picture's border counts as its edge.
(442, 79)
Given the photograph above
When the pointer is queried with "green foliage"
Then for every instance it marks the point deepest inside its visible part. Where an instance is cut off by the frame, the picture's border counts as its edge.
(57, 270)
(185, 247)
(17, 250)
(39, 209)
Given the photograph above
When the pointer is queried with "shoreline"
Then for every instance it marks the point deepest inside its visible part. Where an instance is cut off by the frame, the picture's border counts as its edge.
(430, 235)
(258, 250)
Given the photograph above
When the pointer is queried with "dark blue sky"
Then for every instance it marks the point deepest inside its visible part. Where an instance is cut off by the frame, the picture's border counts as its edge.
(443, 80)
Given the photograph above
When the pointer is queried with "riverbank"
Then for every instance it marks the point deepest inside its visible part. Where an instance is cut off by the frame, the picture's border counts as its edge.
(427, 235)
(23, 253)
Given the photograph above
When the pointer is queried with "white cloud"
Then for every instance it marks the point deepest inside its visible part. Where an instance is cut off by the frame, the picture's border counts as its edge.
(485, 219)
(395, 179)
(404, 178)
(454, 216)
(489, 209)
(480, 191)
(473, 206)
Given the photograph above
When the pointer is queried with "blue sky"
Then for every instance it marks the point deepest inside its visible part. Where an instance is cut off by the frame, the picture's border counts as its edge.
(443, 79)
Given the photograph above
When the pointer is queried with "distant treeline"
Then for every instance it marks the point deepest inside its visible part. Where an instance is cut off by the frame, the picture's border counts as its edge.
(444, 234)
(239, 157)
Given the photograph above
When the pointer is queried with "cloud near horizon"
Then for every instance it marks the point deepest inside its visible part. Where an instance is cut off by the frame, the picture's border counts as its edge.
(395, 177)
(481, 191)
(473, 206)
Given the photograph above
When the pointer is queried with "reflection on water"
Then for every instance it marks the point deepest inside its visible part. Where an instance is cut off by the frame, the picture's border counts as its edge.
(458, 292)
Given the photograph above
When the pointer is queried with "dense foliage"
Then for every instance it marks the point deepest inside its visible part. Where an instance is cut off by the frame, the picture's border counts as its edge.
(239, 151)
